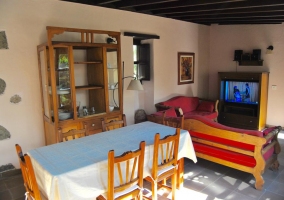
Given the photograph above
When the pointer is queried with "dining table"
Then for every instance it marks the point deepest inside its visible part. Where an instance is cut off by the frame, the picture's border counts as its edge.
(78, 169)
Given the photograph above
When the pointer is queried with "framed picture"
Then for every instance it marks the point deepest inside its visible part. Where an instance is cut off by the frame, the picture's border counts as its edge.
(185, 68)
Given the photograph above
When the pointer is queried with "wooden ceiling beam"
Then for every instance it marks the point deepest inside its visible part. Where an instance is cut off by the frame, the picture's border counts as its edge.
(229, 12)
(133, 3)
(220, 7)
(180, 4)
(262, 20)
(235, 16)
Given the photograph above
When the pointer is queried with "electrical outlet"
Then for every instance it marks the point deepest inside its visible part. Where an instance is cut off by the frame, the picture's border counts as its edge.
(274, 87)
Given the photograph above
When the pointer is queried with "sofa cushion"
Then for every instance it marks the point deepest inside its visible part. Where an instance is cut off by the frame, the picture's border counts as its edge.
(170, 113)
(207, 106)
(227, 142)
(229, 155)
(209, 115)
(187, 104)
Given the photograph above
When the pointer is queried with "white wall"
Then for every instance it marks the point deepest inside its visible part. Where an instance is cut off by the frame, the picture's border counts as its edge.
(25, 25)
(225, 39)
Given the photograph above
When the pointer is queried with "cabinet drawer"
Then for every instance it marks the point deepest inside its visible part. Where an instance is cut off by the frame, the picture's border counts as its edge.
(113, 118)
(93, 126)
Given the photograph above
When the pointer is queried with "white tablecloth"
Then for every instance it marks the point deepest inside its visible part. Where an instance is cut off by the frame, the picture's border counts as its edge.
(77, 169)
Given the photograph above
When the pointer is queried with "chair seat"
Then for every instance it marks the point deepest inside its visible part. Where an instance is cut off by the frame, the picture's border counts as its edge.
(160, 172)
(126, 191)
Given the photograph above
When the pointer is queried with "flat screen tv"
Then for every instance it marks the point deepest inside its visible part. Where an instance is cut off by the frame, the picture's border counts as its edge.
(243, 92)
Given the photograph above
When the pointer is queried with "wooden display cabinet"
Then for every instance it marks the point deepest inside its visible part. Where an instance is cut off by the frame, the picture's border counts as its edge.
(81, 77)
(240, 107)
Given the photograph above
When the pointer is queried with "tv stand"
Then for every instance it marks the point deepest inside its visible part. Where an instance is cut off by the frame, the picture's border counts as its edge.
(240, 110)
(241, 114)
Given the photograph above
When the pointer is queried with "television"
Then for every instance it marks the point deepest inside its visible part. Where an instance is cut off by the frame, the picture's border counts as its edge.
(242, 92)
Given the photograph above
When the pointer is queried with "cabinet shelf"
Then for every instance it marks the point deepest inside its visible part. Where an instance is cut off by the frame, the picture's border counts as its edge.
(250, 62)
(89, 62)
(87, 87)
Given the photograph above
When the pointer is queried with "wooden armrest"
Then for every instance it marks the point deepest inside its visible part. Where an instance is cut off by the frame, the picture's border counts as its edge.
(273, 136)
(160, 107)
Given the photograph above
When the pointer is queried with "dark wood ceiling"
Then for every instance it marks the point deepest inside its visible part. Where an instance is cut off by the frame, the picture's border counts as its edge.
(207, 12)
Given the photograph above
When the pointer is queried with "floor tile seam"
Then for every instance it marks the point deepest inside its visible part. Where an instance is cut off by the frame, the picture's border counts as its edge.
(268, 189)
(274, 193)
(246, 195)
(211, 183)
(216, 184)
(262, 195)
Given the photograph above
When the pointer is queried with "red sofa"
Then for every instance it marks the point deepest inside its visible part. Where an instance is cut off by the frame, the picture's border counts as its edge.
(189, 106)
(251, 151)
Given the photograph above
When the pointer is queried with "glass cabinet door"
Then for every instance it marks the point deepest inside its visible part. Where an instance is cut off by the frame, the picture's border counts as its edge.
(44, 68)
(63, 84)
(112, 74)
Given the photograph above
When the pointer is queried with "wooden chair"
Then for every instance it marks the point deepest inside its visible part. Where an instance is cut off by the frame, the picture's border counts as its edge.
(113, 124)
(71, 134)
(131, 184)
(176, 122)
(29, 178)
(159, 119)
(164, 163)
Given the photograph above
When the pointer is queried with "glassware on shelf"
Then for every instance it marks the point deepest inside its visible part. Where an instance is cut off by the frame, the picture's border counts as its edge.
(78, 107)
(85, 111)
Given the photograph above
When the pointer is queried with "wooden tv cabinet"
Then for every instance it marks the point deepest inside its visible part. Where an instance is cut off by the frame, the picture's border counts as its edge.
(241, 114)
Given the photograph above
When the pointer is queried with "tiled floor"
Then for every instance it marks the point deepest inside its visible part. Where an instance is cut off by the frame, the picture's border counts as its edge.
(11, 185)
(202, 181)
(206, 180)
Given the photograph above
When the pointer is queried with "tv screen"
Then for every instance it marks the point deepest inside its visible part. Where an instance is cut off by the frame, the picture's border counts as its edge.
(241, 92)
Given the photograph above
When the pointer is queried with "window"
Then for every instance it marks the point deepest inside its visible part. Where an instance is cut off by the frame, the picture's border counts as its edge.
(141, 57)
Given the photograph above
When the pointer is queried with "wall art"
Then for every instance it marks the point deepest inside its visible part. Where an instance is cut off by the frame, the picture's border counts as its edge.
(185, 68)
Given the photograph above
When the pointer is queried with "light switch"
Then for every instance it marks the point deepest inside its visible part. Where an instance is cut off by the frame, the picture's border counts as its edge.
(274, 87)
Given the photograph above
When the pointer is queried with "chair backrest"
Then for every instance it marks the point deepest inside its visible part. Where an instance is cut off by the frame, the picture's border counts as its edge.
(159, 119)
(176, 122)
(114, 124)
(129, 168)
(28, 174)
(71, 134)
(165, 152)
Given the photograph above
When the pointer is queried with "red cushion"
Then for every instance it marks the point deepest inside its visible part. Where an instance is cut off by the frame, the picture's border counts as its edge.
(229, 155)
(170, 112)
(268, 130)
(207, 106)
(227, 142)
(187, 104)
(159, 113)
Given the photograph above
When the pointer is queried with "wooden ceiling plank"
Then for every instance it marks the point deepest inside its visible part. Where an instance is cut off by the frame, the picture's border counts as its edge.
(103, 2)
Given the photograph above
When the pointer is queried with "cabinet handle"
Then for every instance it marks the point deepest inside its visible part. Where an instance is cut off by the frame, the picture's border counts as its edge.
(93, 124)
